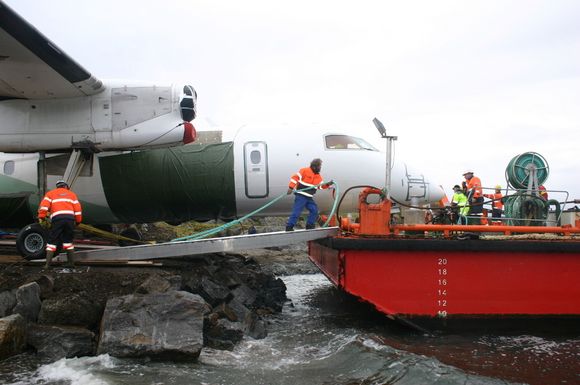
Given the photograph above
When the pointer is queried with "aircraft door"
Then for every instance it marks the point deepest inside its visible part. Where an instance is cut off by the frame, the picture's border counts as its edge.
(256, 169)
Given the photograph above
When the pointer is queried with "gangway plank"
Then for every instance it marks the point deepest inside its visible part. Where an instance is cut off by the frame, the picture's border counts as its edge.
(205, 246)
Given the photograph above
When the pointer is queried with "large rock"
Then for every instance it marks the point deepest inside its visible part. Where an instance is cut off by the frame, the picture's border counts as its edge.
(73, 309)
(272, 293)
(157, 284)
(253, 325)
(163, 326)
(46, 284)
(229, 322)
(244, 295)
(222, 333)
(12, 335)
(7, 302)
(28, 301)
(212, 292)
(56, 342)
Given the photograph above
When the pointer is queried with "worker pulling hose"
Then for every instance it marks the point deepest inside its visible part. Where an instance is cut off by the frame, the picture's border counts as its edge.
(206, 233)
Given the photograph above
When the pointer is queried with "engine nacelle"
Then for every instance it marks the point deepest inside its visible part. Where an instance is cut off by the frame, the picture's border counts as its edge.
(121, 117)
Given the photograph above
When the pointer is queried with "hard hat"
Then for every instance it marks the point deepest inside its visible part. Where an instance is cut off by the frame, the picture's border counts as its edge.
(61, 183)
(468, 171)
(456, 187)
(497, 187)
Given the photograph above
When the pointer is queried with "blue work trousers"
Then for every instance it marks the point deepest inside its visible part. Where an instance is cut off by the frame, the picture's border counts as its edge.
(301, 201)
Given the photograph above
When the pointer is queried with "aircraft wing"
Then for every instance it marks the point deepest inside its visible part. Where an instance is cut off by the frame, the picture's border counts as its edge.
(32, 67)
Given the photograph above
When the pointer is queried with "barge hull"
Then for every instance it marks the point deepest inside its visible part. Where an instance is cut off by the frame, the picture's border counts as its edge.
(447, 280)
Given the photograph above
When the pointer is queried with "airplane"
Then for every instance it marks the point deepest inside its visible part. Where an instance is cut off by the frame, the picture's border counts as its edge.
(50, 103)
(209, 179)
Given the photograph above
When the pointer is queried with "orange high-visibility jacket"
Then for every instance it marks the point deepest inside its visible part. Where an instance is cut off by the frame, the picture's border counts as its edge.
(497, 204)
(61, 203)
(306, 178)
(474, 183)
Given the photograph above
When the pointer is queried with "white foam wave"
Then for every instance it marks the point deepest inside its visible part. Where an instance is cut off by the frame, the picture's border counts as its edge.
(77, 371)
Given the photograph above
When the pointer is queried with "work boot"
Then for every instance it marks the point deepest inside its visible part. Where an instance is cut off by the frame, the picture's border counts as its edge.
(289, 228)
(310, 227)
(49, 255)
(70, 258)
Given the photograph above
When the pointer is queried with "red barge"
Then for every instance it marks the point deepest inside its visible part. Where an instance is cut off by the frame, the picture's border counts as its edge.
(454, 277)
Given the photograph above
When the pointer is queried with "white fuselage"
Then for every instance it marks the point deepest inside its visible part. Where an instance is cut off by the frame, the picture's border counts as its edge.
(284, 153)
(263, 162)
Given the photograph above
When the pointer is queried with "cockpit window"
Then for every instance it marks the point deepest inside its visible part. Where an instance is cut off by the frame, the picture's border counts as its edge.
(347, 142)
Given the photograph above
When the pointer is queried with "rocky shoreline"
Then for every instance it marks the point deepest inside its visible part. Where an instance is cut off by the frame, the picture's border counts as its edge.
(167, 312)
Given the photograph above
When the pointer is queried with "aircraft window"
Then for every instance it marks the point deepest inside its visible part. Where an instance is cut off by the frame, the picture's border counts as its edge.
(9, 167)
(255, 157)
(346, 142)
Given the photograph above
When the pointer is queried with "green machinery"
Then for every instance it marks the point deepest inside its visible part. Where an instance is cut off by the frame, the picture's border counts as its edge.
(525, 173)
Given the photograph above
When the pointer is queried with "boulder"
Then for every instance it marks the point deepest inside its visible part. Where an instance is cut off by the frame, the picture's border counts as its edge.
(162, 326)
(213, 293)
(7, 302)
(46, 284)
(56, 342)
(12, 335)
(157, 284)
(252, 324)
(28, 301)
(73, 309)
(244, 295)
(256, 327)
(223, 310)
(227, 277)
(223, 334)
(272, 294)
(228, 324)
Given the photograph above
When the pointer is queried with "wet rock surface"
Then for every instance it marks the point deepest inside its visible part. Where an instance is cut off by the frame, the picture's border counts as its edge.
(167, 326)
(161, 312)
(12, 335)
(56, 342)
(28, 301)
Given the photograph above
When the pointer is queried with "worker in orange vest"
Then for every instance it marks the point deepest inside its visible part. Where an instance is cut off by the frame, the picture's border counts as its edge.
(65, 211)
(474, 193)
(497, 202)
(304, 185)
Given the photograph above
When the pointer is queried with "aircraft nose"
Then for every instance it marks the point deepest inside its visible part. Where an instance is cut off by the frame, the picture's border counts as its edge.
(436, 193)
(188, 111)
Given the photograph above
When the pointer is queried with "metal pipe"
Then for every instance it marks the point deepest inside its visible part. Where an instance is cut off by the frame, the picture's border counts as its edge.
(487, 229)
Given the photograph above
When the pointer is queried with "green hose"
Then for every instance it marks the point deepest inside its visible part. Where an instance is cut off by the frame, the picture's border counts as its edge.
(216, 230)
(518, 172)
(525, 210)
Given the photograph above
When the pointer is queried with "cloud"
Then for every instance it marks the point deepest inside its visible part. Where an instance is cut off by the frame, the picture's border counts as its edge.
(461, 83)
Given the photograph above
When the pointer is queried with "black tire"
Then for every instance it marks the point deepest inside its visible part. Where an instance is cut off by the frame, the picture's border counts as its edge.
(132, 233)
(31, 242)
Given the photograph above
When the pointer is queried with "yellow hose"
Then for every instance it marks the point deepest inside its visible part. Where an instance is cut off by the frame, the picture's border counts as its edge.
(108, 235)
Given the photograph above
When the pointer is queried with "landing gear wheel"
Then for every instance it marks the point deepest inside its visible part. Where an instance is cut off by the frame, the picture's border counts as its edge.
(31, 242)
(132, 233)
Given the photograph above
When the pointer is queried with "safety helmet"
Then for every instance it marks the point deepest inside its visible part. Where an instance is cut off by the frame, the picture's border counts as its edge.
(61, 183)
(456, 187)
(468, 171)
(497, 187)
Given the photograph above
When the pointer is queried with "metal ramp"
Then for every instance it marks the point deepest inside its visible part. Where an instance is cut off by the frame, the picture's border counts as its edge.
(204, 246)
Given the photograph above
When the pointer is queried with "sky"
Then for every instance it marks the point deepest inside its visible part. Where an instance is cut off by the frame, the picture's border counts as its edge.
(462, 84)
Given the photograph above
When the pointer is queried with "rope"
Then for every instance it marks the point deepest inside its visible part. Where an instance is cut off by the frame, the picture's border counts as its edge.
(109, 235)
(216, 230)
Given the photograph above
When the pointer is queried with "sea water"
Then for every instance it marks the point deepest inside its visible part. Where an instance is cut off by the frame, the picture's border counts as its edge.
(321, 337)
